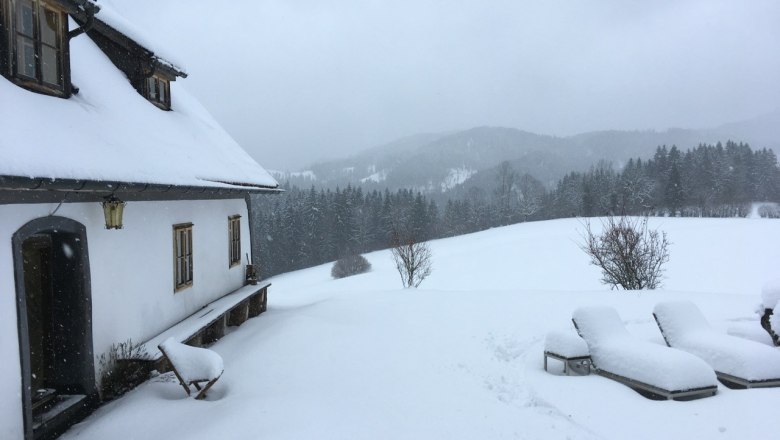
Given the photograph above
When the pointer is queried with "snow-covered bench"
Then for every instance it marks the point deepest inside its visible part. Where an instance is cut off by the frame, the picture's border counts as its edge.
(651, 369)
(569, 349)
(207, 324)
(737, 362)
(193, 366)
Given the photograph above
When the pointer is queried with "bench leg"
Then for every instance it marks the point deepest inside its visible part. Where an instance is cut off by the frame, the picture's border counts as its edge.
(202, 394)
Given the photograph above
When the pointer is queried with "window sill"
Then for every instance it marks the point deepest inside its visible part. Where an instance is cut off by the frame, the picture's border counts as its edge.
(182, 287)
(43, 89)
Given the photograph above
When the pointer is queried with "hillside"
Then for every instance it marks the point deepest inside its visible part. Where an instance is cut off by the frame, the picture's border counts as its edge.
(461, 357)
(436, 163)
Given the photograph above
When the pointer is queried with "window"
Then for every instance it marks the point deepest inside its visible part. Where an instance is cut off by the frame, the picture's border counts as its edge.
(38, 41)
(234, 239)
(182, 252)
(158, 90)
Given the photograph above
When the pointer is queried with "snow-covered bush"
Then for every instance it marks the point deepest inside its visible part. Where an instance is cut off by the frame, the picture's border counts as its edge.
(413, 260)
(122, 368)
(348, 266)
(630, 255)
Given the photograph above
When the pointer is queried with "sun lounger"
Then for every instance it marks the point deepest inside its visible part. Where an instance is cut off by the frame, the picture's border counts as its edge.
(737, 362)
(651, 369)
(193, 366)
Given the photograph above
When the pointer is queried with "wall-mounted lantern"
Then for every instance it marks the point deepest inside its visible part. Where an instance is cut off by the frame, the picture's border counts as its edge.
(113, 209)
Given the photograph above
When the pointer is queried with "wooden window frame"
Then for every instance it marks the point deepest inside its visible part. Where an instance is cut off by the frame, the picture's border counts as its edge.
(151, 88)
(234, 240)
(10, 51)
(182, 257)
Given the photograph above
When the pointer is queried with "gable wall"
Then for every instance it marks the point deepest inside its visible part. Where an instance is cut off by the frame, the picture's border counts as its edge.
(131, 275)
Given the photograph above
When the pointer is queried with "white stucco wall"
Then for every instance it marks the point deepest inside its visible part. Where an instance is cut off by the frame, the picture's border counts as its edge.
(131, 275)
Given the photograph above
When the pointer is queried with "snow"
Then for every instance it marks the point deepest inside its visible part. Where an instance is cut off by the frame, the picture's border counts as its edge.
(566, 344)
(461, 357)
(686, 328)
(614, 350)
(377, 177)
(110, 14)
(770, 293)
(455, 177)
(193, 363)
(109, 132)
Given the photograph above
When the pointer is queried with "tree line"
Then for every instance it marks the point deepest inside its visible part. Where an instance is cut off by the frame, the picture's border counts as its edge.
(709, 180)
(303, 228)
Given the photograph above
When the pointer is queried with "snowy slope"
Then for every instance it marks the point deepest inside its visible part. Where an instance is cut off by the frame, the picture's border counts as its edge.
(461, 357)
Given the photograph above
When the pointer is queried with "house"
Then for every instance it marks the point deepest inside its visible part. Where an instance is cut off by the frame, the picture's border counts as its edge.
(123, 204)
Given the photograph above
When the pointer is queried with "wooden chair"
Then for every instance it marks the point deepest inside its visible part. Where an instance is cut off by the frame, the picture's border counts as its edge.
(193, 366)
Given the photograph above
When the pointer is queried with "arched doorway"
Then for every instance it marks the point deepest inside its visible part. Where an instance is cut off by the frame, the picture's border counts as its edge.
(53, 298)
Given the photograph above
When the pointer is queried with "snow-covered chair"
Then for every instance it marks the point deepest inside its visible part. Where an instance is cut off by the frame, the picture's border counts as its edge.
(737, 362)
(193, 366)
(651, 369)
(570, 349)
(770, 303)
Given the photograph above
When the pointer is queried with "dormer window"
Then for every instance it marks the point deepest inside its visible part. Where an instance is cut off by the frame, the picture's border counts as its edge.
(158, 90)
(38, 42)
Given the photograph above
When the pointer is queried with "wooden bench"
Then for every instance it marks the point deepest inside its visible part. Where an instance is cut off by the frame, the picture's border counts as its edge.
(193, 366)
(205, 326)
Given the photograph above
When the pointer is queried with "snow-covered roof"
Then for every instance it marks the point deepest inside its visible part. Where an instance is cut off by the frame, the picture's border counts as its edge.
(109, 132)
(111, 15)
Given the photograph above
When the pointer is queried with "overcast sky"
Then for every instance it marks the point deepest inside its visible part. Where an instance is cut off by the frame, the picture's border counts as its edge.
(296, 81)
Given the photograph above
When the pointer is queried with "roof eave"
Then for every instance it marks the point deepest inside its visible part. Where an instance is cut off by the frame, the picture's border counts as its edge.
(23, 184)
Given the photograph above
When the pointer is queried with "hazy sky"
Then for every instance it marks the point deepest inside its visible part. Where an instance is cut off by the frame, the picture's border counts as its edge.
(295, 81)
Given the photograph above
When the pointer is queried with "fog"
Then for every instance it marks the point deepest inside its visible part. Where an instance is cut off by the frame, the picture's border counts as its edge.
(299, 81)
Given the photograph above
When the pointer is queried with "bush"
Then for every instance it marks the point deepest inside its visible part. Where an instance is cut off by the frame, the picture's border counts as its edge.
(630, 256)
(413, 260)
(122, 368)
(348, 266)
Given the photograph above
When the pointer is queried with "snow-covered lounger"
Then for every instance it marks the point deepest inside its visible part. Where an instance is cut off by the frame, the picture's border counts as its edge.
(570, 349)
(193, 365)
(737, 362)
(648, 368)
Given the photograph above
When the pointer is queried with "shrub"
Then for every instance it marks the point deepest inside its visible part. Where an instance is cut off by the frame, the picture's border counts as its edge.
(348, 266)
(413, 260)
(122, 368)
(630, 256)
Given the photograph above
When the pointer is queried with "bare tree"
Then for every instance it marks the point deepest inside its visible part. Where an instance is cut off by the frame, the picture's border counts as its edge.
(630, 256)
(413, 260)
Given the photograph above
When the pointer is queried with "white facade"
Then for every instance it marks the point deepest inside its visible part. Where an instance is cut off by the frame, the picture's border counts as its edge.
(131, 272)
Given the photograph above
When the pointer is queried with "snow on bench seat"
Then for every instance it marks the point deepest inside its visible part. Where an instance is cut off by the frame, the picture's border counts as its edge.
(640, 364)
(193, 363)
(735, 360)
(199, 320)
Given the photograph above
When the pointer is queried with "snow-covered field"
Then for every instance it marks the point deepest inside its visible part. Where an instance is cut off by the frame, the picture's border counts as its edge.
(461, 357)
